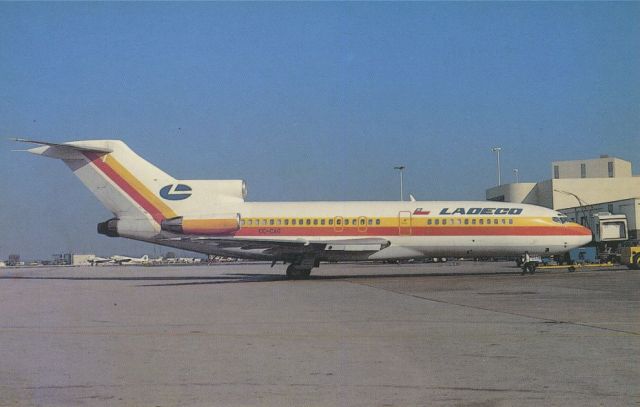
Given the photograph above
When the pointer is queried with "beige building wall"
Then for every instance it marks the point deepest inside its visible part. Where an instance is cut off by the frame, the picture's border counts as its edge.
(594, 168)
(567, 193)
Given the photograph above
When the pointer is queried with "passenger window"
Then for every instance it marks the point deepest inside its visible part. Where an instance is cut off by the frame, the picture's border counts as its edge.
(495, 221)
(437, 221)
(370, 222)
(286, 222)
(241, 222)
(444, 221)
(271, 222)
(504, 221)
(331, 221)
(481, 221)
(377, 221)
(308, 221)
(322, 221)
(279, 222)
(473, 221)
(511, 221)
(300, 222)
(428, 221)
(362, 222)
(466, 221)
(346, 221)
(315, 221)
(354, 221)
(459, 221)
(293, 221)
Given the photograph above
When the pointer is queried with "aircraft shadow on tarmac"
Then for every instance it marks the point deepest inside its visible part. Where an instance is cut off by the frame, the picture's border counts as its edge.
(235, 278)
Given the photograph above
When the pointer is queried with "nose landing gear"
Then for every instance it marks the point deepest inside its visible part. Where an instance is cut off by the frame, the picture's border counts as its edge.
(528, 263)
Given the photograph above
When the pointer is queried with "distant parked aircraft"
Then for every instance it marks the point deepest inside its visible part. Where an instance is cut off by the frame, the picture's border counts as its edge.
(120, 260)
(95, 260)
(211, 216)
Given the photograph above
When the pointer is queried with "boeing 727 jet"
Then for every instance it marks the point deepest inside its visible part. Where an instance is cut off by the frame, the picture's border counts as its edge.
(212, 217)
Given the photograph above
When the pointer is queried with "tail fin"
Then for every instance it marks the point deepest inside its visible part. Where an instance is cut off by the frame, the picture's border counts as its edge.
(123, 181)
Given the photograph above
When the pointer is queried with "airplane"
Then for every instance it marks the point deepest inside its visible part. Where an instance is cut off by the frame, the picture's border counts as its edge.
(120, 260)
(95, 260)
(212, 217)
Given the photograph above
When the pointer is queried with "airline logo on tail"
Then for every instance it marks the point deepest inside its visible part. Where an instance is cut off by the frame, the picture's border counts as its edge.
(175, 192)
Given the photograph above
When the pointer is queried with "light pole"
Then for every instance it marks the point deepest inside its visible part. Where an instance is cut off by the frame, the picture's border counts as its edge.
(401, 169)
(515, 172)
(497, 151)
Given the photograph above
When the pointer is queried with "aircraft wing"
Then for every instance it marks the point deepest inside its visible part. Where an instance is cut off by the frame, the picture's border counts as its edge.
(288, 246)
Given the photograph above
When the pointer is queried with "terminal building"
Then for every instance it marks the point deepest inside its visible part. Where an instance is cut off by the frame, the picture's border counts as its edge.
(582, 190)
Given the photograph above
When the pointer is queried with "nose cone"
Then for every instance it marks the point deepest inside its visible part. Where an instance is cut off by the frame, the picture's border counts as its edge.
(582, 235)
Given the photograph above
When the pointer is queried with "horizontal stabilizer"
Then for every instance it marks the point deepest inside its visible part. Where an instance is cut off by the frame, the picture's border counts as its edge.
(87, 146)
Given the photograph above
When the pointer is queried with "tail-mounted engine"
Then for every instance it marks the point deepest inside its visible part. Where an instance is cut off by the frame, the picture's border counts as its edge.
(216, 225)
(109, 228)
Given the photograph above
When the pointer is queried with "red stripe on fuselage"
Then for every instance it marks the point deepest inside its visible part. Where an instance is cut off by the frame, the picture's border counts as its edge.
(125, 186)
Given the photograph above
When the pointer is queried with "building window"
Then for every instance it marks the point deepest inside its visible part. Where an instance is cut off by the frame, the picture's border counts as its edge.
(583, 170)
(556, 172)
(610, 168)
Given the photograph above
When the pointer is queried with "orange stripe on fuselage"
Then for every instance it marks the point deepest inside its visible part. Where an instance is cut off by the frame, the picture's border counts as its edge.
(415, 231)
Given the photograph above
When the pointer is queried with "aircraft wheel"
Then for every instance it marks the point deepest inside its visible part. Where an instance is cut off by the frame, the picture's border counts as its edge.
(295, 272)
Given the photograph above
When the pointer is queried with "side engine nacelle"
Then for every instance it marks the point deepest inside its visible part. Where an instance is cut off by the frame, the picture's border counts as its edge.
(219, 224)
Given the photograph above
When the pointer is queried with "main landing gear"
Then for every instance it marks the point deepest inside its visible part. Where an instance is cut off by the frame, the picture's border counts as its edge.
(301, 267)
(296, 272)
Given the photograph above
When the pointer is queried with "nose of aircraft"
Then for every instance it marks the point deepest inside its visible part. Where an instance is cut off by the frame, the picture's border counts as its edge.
(582, 235)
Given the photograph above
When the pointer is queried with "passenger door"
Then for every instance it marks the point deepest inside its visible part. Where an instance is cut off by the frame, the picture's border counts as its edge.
(404, 223)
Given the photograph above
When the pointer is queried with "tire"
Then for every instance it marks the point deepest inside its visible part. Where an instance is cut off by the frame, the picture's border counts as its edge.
(295, 272)
(530, 267)
(636, 262)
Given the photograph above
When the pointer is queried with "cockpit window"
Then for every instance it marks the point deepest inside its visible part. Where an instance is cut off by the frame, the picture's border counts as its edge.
(560, 219)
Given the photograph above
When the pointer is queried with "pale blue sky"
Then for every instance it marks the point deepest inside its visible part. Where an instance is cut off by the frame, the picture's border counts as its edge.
(307, 101)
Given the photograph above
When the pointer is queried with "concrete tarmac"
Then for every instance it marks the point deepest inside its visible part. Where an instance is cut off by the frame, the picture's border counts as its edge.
(467, 334)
